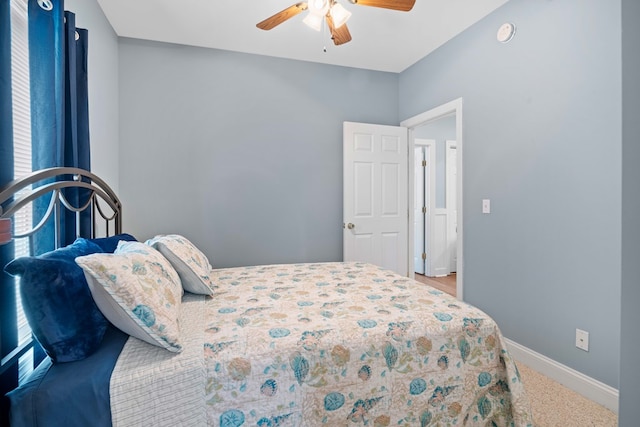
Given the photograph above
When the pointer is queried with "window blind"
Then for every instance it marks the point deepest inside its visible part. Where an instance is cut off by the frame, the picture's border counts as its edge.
(22, 152)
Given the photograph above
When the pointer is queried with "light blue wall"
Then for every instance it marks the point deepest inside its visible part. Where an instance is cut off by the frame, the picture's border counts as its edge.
(629, 412)
(441, 130)
(103, 88)
(240, 153)
(542, 140)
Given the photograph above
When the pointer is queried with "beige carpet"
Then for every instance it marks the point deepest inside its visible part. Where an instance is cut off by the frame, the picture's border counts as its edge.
(554, 405)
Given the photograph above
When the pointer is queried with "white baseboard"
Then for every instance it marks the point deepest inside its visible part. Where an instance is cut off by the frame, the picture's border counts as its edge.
(590, 388)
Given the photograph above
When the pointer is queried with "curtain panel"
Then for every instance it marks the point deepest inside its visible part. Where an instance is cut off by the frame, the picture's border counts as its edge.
(60, 137)
(76, 114)
(59, 111)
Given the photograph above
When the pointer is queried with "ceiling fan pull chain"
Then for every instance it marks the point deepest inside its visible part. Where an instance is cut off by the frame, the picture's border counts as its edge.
(324, 34)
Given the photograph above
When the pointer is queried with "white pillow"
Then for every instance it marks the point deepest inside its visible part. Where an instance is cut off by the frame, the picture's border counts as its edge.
(192, 265)
(138, 291)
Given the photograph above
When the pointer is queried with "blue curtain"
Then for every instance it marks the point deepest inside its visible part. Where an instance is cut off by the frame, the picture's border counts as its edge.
(59, 109)
(60, 137)
(76, 135)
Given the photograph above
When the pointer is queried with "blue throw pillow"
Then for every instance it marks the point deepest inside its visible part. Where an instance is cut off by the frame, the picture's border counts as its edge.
(58, 303)
(109, 244)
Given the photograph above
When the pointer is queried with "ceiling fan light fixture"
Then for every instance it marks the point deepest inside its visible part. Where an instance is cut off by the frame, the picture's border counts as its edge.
(318, 7)
(339, 14)
(329, 10)
(313, 21)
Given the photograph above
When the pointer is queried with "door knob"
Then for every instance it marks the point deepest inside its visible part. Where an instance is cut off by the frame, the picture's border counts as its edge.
(351, 226)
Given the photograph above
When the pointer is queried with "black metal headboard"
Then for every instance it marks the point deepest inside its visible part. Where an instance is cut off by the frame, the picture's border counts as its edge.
(54, 181)
(99, 205)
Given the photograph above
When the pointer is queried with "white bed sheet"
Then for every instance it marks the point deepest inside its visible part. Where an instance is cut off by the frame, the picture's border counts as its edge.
(151, 386)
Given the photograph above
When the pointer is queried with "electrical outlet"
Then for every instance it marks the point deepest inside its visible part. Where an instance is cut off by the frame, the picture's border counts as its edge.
(582, 339)
(486, 206)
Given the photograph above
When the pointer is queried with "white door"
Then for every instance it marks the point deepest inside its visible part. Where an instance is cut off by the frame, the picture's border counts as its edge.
(376, 206)
(451, 164)
(424, 200)
(418, 210)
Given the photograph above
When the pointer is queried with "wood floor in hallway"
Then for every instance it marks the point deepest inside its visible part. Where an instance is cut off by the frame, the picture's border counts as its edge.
(446, 283)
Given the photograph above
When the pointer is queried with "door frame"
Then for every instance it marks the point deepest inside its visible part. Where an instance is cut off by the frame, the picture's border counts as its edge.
(449, 146)
(450, 108)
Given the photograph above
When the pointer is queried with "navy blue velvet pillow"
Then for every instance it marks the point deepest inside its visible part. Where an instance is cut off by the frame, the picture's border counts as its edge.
(58, 303)
(109, 244)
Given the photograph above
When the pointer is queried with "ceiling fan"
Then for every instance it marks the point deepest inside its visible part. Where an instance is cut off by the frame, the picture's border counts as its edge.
(331, 11)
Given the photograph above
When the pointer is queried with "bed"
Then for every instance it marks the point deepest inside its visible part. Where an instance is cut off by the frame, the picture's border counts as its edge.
(335, 344)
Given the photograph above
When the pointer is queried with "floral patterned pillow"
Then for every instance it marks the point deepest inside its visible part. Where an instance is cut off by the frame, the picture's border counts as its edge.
(192, 266)
(138, 290)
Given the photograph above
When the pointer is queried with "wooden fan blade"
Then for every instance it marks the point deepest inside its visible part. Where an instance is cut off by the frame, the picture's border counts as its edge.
(280, 17)
(402, 5)
(339, 35)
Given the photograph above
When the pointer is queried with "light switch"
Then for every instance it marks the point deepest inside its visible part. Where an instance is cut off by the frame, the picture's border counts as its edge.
(486, 206)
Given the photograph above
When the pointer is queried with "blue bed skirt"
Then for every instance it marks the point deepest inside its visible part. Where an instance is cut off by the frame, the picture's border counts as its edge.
(69, 394)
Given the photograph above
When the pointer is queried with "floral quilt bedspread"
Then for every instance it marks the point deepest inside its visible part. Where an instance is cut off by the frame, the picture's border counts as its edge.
(351, 344)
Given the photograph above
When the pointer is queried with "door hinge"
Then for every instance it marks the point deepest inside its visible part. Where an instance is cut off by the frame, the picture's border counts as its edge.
(424, 256)
(424, 163)
(424, 209)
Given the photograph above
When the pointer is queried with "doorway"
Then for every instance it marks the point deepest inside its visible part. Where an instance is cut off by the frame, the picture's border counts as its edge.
(450, 113)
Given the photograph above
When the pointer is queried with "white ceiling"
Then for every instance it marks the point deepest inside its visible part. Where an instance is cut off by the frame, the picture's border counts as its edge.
(384, 40)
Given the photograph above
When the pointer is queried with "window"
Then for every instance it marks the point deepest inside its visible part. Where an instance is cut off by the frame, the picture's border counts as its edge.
(22, 152)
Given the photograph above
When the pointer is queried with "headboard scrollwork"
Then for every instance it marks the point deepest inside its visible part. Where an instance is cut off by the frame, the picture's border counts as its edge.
(98, 199)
